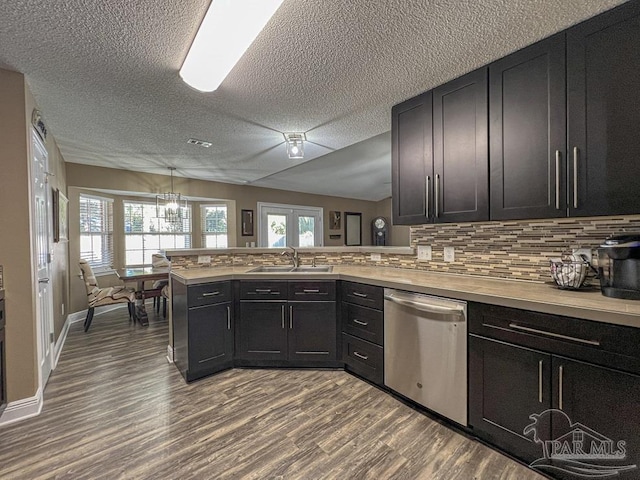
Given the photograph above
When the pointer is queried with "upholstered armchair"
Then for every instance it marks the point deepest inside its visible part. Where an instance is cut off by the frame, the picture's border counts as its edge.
(97, 297)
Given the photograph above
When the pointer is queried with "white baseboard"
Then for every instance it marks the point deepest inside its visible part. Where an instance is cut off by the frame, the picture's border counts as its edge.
(22, 409)
(169, 354)
(57, 348)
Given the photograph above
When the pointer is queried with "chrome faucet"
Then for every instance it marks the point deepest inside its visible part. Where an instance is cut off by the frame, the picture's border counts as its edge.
(293, 256)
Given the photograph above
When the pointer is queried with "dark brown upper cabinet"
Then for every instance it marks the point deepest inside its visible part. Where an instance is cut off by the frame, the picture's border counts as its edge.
(412, 160)
(527, 109)
(603, 74)
(460, 149)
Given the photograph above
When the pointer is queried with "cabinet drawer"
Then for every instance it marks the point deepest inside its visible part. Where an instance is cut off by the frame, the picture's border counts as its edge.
(363, 322)
(263, 290)
(208, 294)
(312, 291)
(601, 343)
(361, 294)
(363, 358)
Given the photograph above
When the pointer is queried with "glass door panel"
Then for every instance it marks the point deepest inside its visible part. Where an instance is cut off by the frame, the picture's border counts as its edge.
(306, 231)
(277, 230)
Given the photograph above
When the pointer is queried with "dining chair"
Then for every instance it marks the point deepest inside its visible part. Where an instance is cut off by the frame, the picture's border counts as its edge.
(98, 297)
(158, 260)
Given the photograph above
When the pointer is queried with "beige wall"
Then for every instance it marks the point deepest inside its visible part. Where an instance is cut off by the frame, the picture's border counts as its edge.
(15, 237)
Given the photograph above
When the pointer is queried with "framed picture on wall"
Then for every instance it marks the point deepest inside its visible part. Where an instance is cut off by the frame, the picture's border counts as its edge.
(335, 220)
(60, 216)
(246, 217)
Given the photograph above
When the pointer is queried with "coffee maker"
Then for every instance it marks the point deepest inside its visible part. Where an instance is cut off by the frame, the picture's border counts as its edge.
(619, 266)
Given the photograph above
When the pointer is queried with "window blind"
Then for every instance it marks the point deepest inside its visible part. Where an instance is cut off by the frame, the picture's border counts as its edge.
(96, 231)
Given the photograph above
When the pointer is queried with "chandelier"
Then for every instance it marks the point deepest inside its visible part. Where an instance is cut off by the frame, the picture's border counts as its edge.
(169, 206)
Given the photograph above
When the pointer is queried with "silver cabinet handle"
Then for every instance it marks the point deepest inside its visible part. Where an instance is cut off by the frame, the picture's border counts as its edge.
(311, 290)
(263, 290)
(228, 317)
(364, 324)
(437, 195)
(560, 375)
(290, 316)
(554, 335)
(282, 316)
(557, 179)
(540, 381)
(576, 153)
(426, 195)
(359, 355)
(358, 294)
(210, 294)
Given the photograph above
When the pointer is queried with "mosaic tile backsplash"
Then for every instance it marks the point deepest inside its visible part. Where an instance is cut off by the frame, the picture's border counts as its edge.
(511, 249)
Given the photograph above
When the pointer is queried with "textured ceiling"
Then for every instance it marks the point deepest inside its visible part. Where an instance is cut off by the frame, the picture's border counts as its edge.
(105, 75)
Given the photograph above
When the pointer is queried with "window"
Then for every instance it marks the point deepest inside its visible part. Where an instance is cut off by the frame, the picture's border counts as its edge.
(145, 234)
(96, 231)
(214, 226)
(282, 225)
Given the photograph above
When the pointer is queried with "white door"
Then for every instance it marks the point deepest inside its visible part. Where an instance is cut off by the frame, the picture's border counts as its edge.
(282, 225)
(42, 251)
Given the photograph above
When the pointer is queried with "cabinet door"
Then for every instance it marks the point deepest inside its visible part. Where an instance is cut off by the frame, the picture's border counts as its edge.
(507, 384)
(210, 343)
(263, 331)
(312, 331)
(412, 160)
(460, 149)
(527, 106)
(603, 400)
(603, 72)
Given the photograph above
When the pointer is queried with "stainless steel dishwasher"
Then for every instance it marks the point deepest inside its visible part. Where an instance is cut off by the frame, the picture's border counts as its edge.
(425, 351)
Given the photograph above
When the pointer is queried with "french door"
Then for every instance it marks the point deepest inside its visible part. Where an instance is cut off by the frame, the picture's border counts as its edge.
(289, 225)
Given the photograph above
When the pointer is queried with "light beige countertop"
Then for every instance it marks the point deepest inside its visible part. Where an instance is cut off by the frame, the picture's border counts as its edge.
(538, 297)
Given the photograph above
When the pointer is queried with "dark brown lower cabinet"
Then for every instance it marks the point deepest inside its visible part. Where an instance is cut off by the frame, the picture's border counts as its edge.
(312, 331)
(511, 387)
(295, 334)
(262, 333)
(507, 384)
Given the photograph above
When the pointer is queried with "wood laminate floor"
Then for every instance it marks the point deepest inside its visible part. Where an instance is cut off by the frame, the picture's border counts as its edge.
(114, 408)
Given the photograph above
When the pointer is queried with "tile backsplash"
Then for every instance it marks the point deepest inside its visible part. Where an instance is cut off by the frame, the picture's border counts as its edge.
(510, 249)
(515, 249)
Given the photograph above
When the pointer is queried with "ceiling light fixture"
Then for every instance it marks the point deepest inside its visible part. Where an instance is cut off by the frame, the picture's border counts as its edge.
(228, 28)
(169, 206)
(295, 144)
(200, 143)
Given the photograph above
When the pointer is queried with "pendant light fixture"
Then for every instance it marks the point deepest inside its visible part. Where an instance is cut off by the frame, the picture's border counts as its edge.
(169, 206)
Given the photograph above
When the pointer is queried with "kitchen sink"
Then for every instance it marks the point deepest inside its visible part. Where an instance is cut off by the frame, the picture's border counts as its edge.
(290, 269)
(310, 269)
(272, 269)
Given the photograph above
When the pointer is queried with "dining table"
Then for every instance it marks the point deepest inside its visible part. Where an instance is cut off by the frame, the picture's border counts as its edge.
(141, 275)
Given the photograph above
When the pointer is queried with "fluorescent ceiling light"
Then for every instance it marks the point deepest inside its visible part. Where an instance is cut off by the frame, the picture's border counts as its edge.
(228, 28)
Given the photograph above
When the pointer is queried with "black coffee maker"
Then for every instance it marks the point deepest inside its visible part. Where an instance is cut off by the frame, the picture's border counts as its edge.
(619, 266)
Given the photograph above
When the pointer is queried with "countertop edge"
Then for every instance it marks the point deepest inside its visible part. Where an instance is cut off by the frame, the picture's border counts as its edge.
(602, 315)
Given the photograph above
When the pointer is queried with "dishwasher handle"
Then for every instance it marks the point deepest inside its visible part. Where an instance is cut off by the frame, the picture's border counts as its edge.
(454, 313)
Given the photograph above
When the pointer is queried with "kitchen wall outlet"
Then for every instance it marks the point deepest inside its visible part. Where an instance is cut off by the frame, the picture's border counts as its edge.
(62, 313)
(376, 257)
(449, 254)
(424, 252)
(204, 258)
(583, 251)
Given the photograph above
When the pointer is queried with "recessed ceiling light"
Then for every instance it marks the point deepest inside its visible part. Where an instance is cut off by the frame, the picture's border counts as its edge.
(200, 143)
(228, 29)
